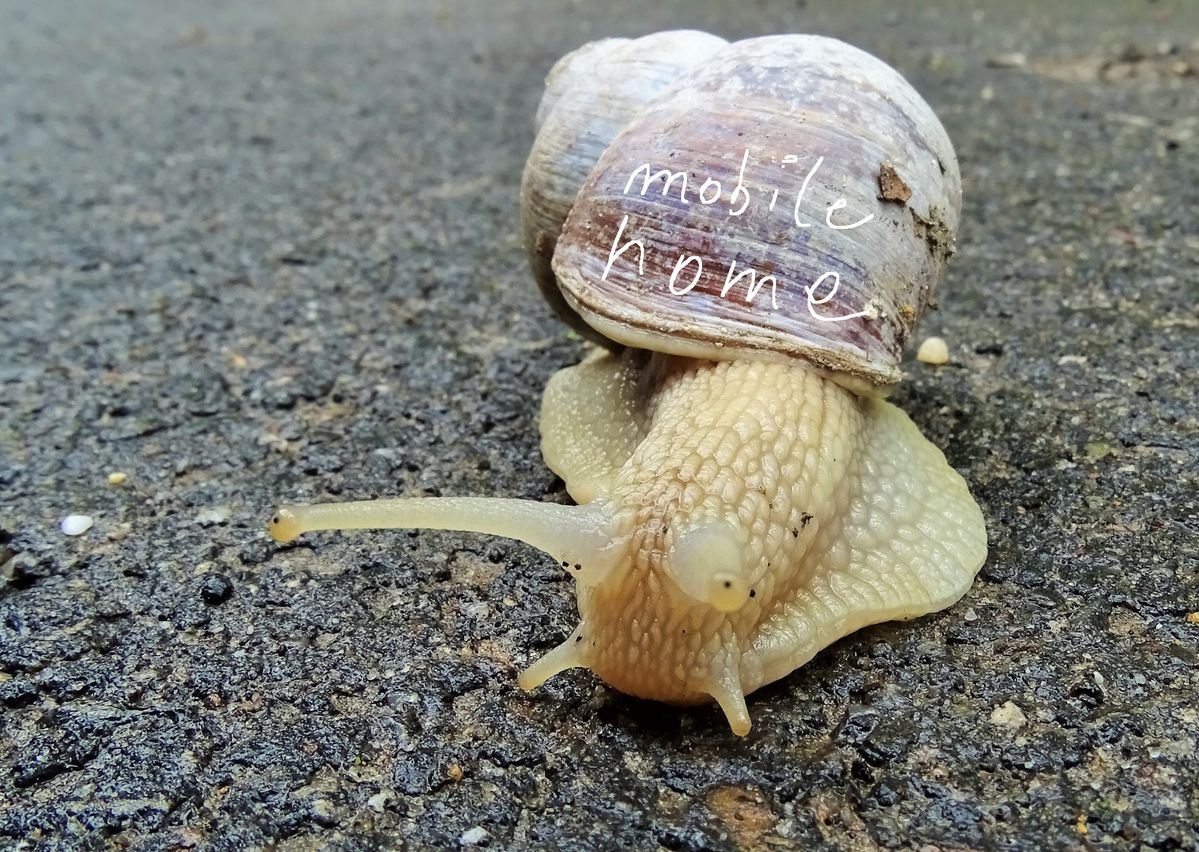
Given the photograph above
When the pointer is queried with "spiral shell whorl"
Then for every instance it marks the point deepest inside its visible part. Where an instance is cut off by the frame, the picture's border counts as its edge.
(591, 94)
(779, 102)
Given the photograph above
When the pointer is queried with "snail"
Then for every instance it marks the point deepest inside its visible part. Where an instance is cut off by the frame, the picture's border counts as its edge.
(745, 493)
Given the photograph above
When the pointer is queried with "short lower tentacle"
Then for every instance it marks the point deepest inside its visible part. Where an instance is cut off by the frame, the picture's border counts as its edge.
(725, 687)
(569, 655)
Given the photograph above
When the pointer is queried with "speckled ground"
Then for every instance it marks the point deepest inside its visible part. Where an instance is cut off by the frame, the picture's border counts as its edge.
(251, 251)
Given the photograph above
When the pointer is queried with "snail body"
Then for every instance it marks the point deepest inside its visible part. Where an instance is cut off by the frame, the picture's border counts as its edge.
(745, 494)
(767, 512)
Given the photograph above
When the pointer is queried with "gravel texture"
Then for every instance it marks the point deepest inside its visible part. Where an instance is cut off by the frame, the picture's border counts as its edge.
(270, 250)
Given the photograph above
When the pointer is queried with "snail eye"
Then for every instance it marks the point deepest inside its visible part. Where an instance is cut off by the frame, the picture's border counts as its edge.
(728, 591)
(706, 563)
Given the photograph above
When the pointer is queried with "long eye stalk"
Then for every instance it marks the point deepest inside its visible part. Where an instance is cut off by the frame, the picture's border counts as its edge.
(582, 538)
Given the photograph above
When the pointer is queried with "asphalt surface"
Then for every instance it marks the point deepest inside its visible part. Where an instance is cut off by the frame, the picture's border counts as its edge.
(262, 251)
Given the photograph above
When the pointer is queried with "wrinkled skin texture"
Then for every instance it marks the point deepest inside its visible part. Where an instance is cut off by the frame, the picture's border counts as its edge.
(845, 513)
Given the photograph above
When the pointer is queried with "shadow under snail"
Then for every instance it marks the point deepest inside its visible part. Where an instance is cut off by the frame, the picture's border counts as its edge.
(746, 496)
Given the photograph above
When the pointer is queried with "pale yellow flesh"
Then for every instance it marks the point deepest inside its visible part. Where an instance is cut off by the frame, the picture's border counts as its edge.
(734, 518)
(850, 517)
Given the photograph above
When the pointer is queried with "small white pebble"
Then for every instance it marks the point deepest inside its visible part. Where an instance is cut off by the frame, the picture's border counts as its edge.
(1008, 715)
(213, 515)
(76, 524)
(474, 836)
(933, 350)
(117, 478)
(1007, 60)
(378, 802)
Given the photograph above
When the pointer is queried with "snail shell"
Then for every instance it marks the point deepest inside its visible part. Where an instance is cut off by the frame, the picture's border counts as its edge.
(757, 113)
(589, 95)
